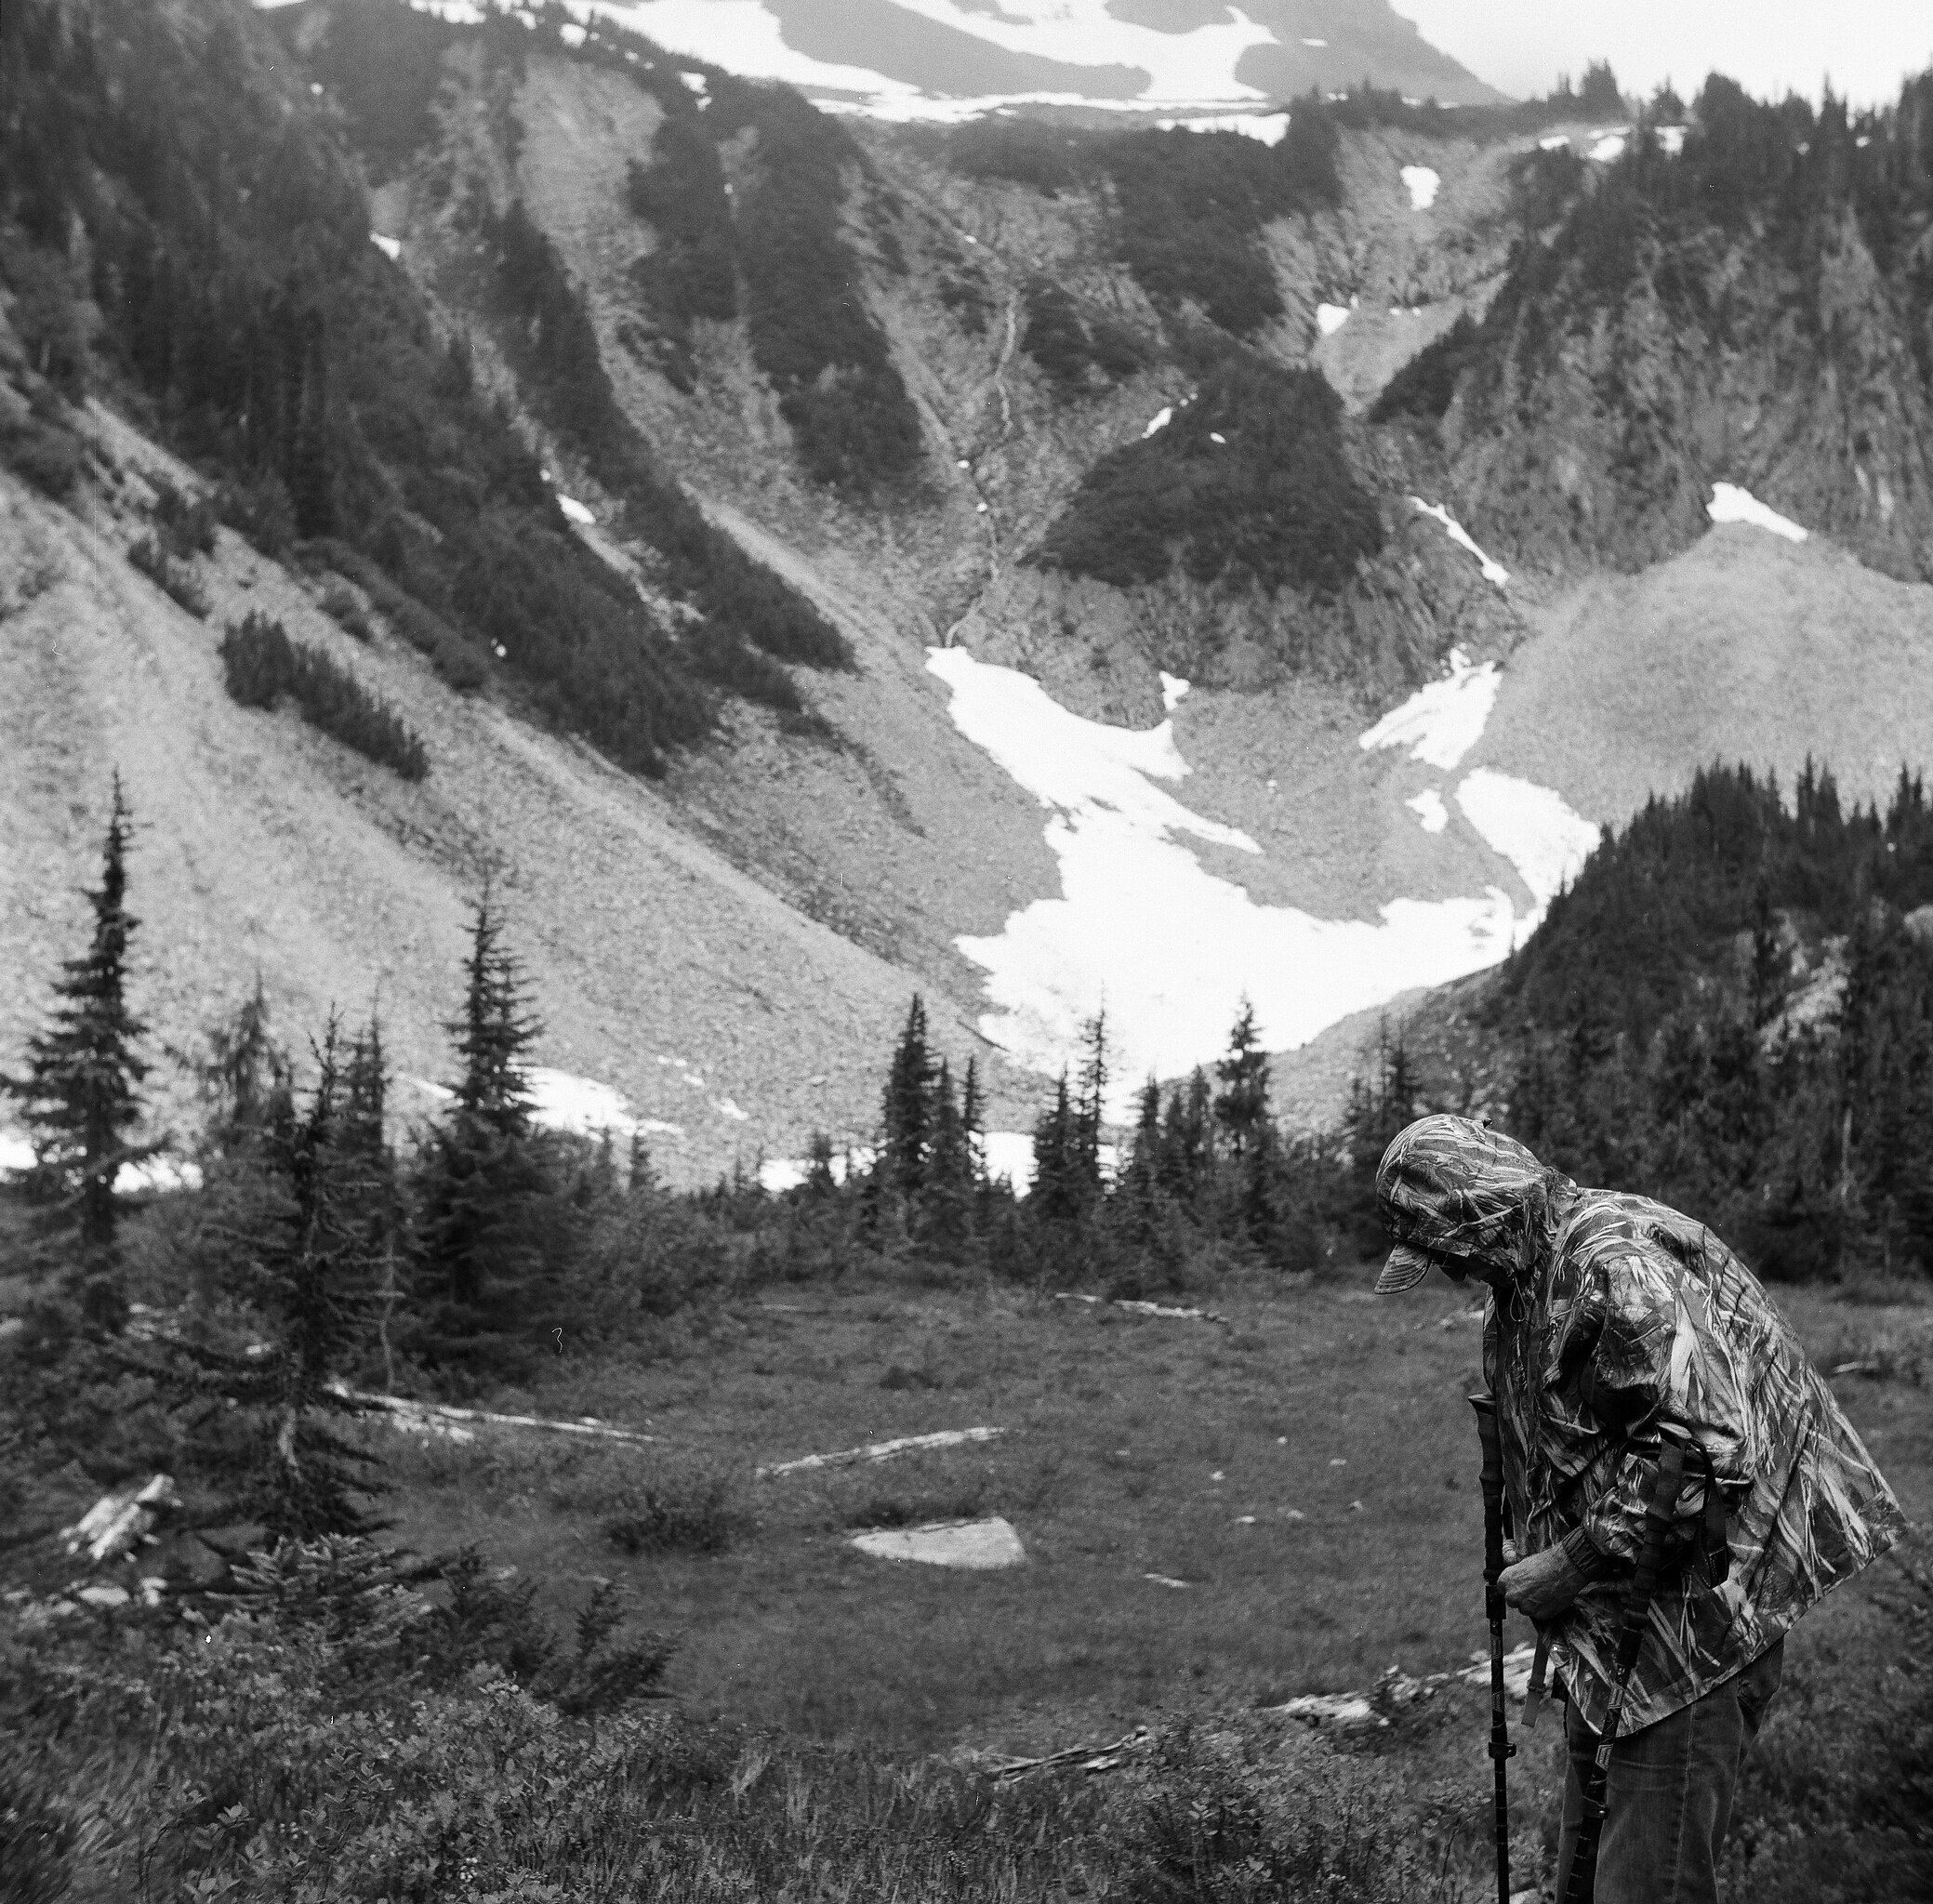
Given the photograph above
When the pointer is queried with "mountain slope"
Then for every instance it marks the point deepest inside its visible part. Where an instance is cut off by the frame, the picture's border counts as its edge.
(264, 850)
(1748, 300)
(1108, 724)
(915, 57)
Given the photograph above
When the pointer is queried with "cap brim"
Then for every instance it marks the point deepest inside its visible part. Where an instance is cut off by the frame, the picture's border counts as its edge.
(1405, 1269)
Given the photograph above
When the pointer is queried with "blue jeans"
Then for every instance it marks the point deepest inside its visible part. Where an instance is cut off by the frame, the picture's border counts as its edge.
(1668, 1802)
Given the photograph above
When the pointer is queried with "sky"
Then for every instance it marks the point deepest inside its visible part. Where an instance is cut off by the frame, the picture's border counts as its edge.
(1770, 46)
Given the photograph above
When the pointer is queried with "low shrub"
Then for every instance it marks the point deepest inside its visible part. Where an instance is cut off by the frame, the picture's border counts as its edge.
(1249, 1811)
(187, 529)
(260, 664)
(1077, 353)
(256, 506)
(673, 1512)
(454, 657)
(174, 579)
(43, 454)
(340, 605)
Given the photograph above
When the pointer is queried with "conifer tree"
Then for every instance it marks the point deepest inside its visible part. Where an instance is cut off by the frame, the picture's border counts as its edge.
(907, 1110)
(946, 1202)
(296, 1204)
(1091, 1109)
(81, 1093)
(482, 1180)
(1241, 1106)
(1187, 1140)
(1056, 1196)
(973, 1124)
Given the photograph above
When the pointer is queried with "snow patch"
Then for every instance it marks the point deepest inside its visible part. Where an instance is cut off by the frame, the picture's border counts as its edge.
(1440, 722)
(1610, 145)
(1533, 828)
(1492, 571)
(390, 248)
(1315, 43)
(1330, 318)
(1009, 1154)
(571, 33)
(151, 1173)
(1731, 504)
(1173, 688)
(1671, 140)
(575, 510)
(1159, 420)
(1429, 810)
(1423, 184)
(1141, 924)
(1271, 128)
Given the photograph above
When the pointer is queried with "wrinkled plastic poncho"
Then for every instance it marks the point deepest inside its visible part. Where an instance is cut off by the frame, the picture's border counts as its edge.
(1618, 1314)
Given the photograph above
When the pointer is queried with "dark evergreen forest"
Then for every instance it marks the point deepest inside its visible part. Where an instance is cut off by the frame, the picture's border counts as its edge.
(1732, 1011)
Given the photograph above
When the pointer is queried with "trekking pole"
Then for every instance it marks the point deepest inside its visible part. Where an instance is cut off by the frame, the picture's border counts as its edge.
(1582, 1880)
(1493, 1608)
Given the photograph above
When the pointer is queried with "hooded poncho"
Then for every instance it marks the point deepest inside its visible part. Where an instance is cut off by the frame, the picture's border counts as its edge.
(1619, 1313)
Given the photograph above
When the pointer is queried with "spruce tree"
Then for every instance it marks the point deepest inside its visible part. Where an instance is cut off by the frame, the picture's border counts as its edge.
(286, 1245)
(1241, 1104)
(81, 1094)
(483, 1181)
(1059, 1193)
(1091, 1109)
(908, 1112)
(973, 1124)
(318, 1275)
(947, 1201)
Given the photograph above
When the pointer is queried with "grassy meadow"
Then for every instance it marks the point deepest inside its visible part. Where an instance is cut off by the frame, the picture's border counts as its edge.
(1307, 1467)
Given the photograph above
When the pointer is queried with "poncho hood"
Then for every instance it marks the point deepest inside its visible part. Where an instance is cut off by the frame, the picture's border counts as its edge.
(1454, 1188)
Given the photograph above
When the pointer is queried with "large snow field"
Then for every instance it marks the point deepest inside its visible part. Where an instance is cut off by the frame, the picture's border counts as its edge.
(1194, 69)
(1144, 929)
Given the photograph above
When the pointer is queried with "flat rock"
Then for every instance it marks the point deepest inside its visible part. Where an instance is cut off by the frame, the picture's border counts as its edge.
(975, 1544)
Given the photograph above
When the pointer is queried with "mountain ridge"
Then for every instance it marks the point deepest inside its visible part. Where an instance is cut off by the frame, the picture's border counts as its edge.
(1031, 341)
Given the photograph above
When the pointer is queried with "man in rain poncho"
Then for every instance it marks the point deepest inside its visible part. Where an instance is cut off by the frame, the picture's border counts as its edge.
(1608, 1315)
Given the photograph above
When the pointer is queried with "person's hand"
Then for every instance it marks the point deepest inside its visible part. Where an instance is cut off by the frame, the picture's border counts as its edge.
(1511, 1556)
(1544, 1585)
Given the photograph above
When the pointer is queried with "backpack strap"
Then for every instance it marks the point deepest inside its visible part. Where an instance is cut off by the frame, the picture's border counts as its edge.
(1619, 1411)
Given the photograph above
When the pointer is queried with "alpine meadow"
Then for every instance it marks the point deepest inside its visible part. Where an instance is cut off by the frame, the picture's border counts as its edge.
(842, 846)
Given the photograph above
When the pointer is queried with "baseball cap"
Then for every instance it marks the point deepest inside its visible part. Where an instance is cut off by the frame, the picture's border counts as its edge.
(1407, 1267)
